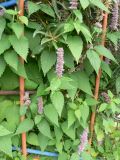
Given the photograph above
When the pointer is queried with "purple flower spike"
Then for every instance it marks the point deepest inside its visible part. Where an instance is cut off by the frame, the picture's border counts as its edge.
(115, 16)
(27, 100)
(40, 105)
(73, 4)
(60, 62)
(2, 11)
(84, 141)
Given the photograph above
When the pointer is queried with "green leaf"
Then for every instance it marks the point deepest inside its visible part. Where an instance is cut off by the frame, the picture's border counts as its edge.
(71, 118)
(75, 44)
(85, 30)
(38, 118)
(58, 133)
(47, 9)
(43, 141)
(48, 59)
(18, 29)
(106, 68)
(4, 131)
(11, 58)
(68, 131)
(10, 84)
(44, 128)
(63, 156)
(82, 81)
(78, 15)
(32, 7)
(30, 85)
(55, 84)
(58, 101)
(103, 106)
(99, 4)
(68, 27)
(32, 139)
(86, 156)
(20, 45)
(11, 12)
(25, 126)
(84, 109)
(2, 65)
(118, 85)
(4, 44)
(84, 3)
(6, 145)
(53, 117)
(91, 101)
(2, 26)
(104, 52)
(75, 156)
(24, 20)
(78, 114)
(94, 59)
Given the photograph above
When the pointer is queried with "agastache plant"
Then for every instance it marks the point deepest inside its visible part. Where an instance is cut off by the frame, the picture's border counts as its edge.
(27, 100)
(40, 105)
(83, 140)
(73, 4)
(60, 62)
(115, 16)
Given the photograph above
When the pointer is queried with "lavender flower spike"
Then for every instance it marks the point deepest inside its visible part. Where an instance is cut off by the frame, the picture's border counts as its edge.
(73, 4)
(115, 16)
(60, 62)
(40, 105)
(84, 141)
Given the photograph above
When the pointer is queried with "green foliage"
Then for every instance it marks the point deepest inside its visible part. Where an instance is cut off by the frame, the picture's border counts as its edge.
(67, 101)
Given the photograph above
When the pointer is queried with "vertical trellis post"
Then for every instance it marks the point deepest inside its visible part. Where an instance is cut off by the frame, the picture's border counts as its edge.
(22, 90)
(97, 85)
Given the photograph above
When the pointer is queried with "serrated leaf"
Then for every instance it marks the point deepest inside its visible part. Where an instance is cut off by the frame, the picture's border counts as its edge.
(32, 139)
(13, 81)
(82, 81)
(99, 4)
(75, 156)
(78, 15)
(94, 59)
(24, 20)
(78, 114)
(32, 7)
(6, 145)
(4, 131)
(20, 45)
(68, 131)
(58, 133)
(68, 27)
(4, 44)
(47, 9)
(55, 84)
(84, 3)
(48, 59)
(105, 52)
(103, 106)
(2, 65)
(84, 109)
(53, 117)
(71, 118)
(43, 141)
(106, 68)
(25, 126)
(38, 118)
(44, 128)
(58, 101)
(11, 58)
(63, 156)
(11, 12)
(2, 25)
(75, 44)
(18, 29)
